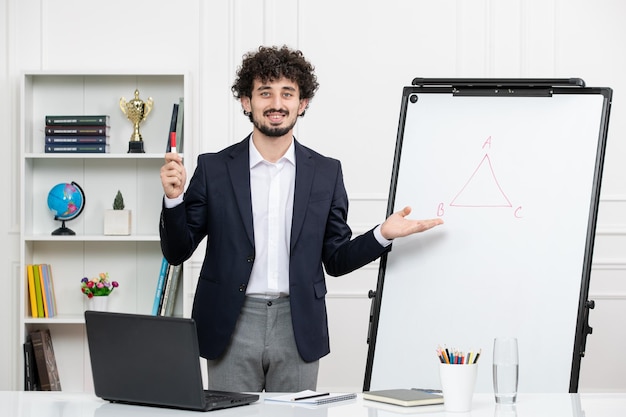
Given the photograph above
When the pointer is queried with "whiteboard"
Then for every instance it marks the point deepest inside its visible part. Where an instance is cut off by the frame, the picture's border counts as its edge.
(516, 181)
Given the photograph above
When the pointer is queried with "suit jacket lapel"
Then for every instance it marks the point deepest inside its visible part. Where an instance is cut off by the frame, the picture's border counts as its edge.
(239, 171)
(305, 169)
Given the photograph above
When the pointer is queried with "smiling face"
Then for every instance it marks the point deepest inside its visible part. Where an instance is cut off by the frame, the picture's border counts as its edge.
(274, 106)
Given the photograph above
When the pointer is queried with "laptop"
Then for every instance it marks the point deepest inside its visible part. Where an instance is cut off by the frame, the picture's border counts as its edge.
(152, 361)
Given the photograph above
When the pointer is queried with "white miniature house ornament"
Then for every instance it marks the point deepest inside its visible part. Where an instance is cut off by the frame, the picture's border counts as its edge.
(117, 220)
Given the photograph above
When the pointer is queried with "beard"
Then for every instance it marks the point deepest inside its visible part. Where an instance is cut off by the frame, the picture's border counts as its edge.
(272, 131)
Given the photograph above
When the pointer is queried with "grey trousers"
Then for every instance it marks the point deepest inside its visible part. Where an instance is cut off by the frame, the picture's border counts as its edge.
(262, 355)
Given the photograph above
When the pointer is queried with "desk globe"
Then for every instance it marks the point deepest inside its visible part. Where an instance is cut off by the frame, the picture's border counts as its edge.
(66, 201)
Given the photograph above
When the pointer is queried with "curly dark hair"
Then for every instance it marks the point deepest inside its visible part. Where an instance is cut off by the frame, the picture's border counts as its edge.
(272, 63)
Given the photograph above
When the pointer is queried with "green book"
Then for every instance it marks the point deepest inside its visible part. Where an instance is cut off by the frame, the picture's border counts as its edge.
(38, 291)
(78, 120)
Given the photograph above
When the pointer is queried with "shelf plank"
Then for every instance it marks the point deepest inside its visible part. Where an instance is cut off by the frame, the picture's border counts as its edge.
(40, 155)
(60, 319)
(92, 238)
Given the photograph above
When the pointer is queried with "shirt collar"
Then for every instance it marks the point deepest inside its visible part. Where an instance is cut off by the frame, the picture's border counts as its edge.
(256, 158)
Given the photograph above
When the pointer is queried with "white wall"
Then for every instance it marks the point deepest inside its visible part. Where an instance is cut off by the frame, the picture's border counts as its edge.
(365, 51)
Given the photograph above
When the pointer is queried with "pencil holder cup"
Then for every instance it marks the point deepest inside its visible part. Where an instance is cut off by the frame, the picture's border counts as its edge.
(457, 384)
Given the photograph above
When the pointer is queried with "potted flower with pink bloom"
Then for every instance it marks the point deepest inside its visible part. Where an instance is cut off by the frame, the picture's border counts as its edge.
(98, 289)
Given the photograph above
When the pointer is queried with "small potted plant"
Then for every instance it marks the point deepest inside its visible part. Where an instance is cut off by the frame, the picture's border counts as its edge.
(98, 290)
(117, 220)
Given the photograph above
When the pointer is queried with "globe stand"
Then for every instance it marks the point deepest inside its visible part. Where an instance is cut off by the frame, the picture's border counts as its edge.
(63, 231)
(67, 202)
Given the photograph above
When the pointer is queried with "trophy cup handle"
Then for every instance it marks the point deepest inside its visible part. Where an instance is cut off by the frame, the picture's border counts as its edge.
(123, 105)
(148, 104)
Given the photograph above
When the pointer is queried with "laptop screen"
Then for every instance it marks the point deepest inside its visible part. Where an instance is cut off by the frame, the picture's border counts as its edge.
(152, 360)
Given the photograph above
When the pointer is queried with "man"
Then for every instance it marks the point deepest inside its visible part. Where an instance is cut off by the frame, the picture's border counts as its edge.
(273, 212)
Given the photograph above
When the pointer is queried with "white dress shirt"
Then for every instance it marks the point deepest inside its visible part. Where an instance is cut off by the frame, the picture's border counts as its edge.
(272, 189)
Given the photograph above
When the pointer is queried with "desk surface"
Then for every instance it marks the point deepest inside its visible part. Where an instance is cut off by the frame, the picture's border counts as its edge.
(59, 404)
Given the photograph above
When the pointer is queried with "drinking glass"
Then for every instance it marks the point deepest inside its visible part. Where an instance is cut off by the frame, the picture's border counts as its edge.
(505, 369)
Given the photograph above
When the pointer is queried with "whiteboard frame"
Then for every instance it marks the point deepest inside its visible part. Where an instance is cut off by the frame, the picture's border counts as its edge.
(500, 88)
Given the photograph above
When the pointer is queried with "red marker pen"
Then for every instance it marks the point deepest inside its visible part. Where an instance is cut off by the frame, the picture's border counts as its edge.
(173, 141)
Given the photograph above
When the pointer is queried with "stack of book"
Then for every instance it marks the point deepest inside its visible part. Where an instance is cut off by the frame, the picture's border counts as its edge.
(166, 289)
(40, 367)
(77, 134)
(41, 291)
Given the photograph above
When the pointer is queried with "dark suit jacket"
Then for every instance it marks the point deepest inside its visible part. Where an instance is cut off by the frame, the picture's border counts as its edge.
(217, 205)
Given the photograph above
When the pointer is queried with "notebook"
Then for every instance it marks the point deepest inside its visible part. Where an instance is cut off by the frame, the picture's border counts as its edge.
(151, 360)
(311, 397)
(405, 397)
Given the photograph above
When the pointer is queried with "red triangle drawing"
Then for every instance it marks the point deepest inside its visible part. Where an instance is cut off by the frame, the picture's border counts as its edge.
(482, 189)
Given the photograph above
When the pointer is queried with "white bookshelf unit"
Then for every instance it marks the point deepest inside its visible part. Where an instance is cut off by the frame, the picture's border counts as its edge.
(135, 260)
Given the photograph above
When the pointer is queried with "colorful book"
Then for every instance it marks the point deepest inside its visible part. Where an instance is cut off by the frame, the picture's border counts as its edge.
(44, 270)
(31, 379)
(77, 148)
(44, 291)
(82, 120)
(38, 292)
(77, 130)
(158, 296)
(52, 293)
(45, 360)
(31, 291)
(172, 290)
(51, 140)
(166, 286)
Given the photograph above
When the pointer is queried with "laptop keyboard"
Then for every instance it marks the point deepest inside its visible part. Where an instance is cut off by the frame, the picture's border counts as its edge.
(213, 397)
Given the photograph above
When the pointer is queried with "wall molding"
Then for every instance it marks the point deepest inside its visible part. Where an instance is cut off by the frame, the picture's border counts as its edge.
(609, 264)
(14, 321)
(374, 197)
(613, 198)
(614, 296)
(611, 230)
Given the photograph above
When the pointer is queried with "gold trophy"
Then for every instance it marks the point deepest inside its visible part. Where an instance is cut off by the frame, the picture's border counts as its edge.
(136, 111)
